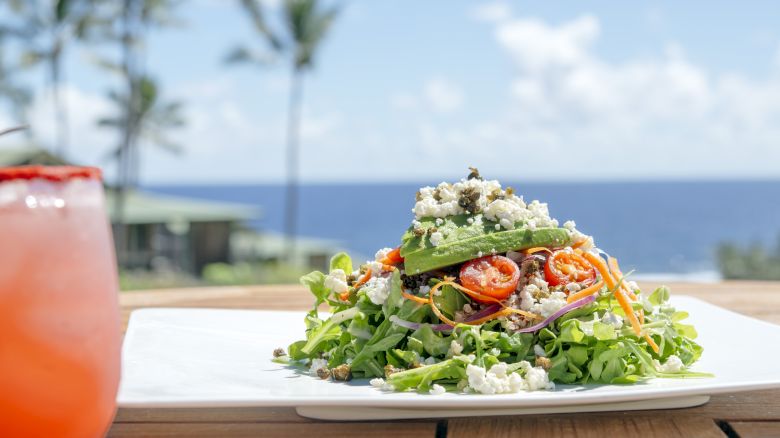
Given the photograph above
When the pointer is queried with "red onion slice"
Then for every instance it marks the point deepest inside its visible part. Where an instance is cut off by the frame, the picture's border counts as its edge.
(495, 308)
(562, 311)
(489, 310)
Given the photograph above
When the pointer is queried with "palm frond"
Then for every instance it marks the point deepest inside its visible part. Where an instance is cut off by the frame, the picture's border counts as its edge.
(255, 11)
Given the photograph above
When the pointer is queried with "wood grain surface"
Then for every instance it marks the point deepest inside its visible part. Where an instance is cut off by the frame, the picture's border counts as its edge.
(750, 414)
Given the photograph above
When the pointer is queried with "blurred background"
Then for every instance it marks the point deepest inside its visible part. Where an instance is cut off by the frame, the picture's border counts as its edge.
(246, 141)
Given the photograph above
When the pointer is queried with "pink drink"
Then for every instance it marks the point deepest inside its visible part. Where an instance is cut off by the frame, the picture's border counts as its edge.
(59, 319)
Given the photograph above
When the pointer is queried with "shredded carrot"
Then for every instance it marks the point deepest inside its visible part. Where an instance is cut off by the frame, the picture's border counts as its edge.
(590, 290)
(629, 311)
(477, 295)
(409, 296)
(652, 343)
(579, 244)
(388, 268)
(615, 269)
(435, 309)
(536, 249)
(600, 266)
(363, 279)
(393, 257)
(503, 312)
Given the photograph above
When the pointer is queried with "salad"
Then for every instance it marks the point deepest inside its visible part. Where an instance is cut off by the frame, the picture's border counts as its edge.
(488, 294)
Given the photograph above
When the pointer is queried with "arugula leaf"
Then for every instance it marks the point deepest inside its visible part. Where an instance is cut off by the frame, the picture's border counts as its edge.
(341, 261)
(315, 281)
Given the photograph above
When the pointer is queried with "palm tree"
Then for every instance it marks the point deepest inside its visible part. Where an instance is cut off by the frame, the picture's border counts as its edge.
(306, 23)
(17, 96)
(49, 29)
(142, 114)
(153, 119)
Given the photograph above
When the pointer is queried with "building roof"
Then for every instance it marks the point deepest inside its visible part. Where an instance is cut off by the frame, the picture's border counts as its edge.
(144, 207)
(148, 208)
(28, 155)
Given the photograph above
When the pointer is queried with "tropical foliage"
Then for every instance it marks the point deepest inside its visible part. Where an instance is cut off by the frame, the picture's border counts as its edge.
(305, 23)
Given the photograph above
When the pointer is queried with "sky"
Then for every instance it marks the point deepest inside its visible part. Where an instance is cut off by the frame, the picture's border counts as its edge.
(418, 91)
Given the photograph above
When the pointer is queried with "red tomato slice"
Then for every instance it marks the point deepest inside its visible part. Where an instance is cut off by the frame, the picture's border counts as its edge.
(565, 267)
(494, 276)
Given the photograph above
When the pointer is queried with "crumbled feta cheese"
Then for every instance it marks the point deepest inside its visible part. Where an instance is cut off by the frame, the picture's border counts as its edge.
(317, 364)
(456, 348)
(424, 289)
(507, 210)
(377, 289)
(536, 378)
(612, 319)
(498, 227)
(337, 281)
(553, 303)
(672, 365)
(467, 308)
(437, 389)
(544, 306)
(436, 238)
(470, 220)
(439, 221)
(527, 300)
(382, 253)
(495, 380)
(573, 287)
(377, 382)
(539, 351)
(539, 282)
(506, 223)
(570, 225)
(376, 268)
(479, 254)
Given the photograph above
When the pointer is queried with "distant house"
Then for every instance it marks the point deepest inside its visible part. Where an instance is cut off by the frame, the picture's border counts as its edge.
(171, 232)
(176, 232)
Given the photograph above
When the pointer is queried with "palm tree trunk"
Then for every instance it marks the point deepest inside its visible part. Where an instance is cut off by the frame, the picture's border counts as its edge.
(293, 137)
(124, 156)
(59, 102)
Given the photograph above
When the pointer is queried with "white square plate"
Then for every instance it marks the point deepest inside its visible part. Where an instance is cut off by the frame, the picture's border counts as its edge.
(220, 358)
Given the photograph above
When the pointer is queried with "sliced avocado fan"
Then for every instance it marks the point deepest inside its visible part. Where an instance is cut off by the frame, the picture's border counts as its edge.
(463, 240)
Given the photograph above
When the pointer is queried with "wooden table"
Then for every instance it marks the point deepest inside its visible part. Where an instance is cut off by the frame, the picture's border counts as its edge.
(751, 414)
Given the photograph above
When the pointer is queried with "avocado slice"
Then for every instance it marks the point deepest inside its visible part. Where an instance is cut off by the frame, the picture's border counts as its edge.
(464, 240)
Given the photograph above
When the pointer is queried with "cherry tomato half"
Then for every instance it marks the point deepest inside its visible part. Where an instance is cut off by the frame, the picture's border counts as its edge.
(494, 276)
(565, 267)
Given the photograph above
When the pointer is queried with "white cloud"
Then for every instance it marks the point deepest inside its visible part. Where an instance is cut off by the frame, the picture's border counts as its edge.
(87, 142)
(438, 95)
(536, 46)
(493, 11)
(573, 114)
(443, 96)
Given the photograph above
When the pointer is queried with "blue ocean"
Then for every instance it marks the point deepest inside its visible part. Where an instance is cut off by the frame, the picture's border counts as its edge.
(671, 228)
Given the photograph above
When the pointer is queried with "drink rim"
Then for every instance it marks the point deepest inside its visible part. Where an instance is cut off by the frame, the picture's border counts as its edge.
(50, 173)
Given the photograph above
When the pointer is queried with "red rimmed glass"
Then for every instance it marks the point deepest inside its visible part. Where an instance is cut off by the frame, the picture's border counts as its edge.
(59, 314)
